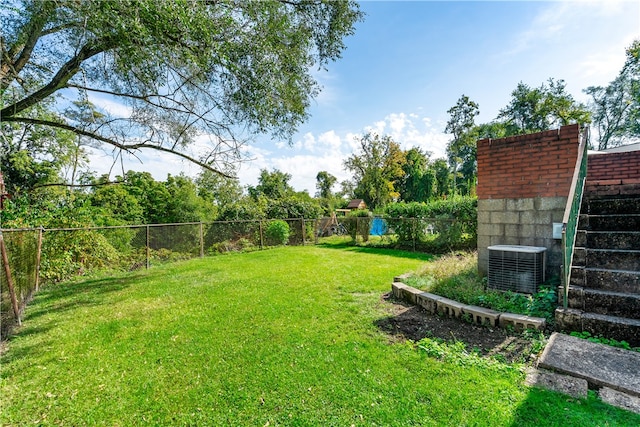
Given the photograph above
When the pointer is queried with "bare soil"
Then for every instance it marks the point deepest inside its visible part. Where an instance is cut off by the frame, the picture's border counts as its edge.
(409, 322)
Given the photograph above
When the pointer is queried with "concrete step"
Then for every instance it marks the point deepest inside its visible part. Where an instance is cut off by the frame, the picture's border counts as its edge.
(606, 280)
(608, 239)
(608, 259)
(600, 365)
(611, 206)
(616, 304)
(619, 328)
(624, 222)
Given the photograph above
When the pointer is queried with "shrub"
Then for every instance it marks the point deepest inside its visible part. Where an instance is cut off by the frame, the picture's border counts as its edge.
(453, 222)
(277, 232)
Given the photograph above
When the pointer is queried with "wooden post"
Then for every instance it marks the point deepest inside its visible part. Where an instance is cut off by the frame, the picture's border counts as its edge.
(413, 226)
(261, 237)
(38, 257)
(201, 241)
(148, 247)
(303, 231)
(7, 270)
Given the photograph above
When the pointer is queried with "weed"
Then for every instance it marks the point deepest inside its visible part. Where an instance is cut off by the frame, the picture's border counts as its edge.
(456, 276)
(603, 340)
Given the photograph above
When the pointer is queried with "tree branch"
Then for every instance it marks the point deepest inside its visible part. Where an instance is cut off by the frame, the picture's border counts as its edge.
(124, 147)
(68, 70)
(62, 184)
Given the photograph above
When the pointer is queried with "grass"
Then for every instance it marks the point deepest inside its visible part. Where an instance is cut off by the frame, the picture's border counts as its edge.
(456, 276)
(281, 337)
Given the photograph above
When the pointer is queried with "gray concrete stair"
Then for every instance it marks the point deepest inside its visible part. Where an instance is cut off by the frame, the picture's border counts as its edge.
(605, 302)
(625, 281)
(604, 291)
(599, 364)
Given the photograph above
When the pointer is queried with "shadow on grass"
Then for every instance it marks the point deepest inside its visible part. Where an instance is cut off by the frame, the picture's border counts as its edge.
(348, 246)
(58, 298)
(548, 408)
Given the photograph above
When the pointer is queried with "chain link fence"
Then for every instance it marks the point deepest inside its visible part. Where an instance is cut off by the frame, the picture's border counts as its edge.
(431, 235)
(34, 256)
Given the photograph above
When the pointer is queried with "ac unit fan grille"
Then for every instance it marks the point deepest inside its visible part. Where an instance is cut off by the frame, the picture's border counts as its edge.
(516, 268)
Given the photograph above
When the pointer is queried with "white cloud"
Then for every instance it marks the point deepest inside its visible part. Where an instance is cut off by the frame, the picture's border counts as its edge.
(328, 150)
(111, 106)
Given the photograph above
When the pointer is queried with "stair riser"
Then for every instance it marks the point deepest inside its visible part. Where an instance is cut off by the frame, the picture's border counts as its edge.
(610, 304)
(629, 261)
(617, 240)
(609, 223)
(629, 205)
(613, 281)
(619, 329)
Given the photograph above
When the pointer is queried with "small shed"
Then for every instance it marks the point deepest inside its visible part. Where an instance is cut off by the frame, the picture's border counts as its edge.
(356, 204)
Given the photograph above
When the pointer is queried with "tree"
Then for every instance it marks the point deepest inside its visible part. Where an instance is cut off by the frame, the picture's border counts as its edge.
(461, 150)
(539, 109)
(272, 185)
(184, 205)
(117, 204)
(442, 177)
(377, 169)
(183, 71)
(324, 183)
(34, 155)
(416, 184)
(153, 197)
(616, 107)
(218, 189)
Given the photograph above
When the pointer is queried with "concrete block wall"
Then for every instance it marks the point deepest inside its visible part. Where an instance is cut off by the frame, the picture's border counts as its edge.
(527, 222)
(523, 186)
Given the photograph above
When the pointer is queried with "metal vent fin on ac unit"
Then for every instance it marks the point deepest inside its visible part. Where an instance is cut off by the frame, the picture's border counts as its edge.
(516, 268)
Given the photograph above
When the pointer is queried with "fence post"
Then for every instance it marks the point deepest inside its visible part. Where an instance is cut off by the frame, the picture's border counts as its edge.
(261, 237)
(201, 241)
(7, 270)
(148, 246)
(38, 257)
(303, 231)
(413, 234)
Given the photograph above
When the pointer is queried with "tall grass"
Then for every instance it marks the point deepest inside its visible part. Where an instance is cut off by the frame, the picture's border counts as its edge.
(456, 276)
(282, 337)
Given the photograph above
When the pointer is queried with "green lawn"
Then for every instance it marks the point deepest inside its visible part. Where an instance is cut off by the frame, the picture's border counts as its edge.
(280, 337)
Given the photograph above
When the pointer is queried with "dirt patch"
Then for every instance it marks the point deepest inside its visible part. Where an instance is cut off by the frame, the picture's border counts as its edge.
(409, 322)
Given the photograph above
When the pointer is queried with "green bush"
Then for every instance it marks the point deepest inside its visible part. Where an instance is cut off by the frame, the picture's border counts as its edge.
(277, 233)
(452, 221)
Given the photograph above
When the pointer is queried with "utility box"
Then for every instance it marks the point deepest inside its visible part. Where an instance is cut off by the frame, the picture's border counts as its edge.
(516, 268)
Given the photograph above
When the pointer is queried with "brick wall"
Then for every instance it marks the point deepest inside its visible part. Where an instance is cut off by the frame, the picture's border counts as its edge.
(610, 166)
(523, 186)
(525, 166)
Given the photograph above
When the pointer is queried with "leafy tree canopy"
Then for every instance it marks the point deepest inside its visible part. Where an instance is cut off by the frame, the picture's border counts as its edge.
(377, 169)
(205, 72)
(538, 109)
(616, 107)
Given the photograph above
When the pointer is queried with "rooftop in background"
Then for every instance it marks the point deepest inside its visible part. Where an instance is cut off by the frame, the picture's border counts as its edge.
(620, 149)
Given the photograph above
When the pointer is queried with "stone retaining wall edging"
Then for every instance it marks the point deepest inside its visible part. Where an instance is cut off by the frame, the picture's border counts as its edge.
(436, 304)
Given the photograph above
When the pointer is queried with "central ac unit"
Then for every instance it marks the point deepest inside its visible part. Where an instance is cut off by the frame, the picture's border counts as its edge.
(516, 268)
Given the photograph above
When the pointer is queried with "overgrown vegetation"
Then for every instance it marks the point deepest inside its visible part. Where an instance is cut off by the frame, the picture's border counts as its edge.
(456, 276)
(280, 337)
(603, 340)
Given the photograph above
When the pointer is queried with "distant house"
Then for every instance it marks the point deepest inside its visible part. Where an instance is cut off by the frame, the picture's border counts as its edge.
(356, 204)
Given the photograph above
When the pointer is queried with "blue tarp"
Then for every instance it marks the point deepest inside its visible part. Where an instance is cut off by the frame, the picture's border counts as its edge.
(378, 227)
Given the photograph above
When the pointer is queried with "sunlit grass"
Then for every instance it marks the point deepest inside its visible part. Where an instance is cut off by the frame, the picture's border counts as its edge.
(280, 337)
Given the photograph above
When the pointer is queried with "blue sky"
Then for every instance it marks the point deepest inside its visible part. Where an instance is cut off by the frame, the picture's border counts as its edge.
(409, 62)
